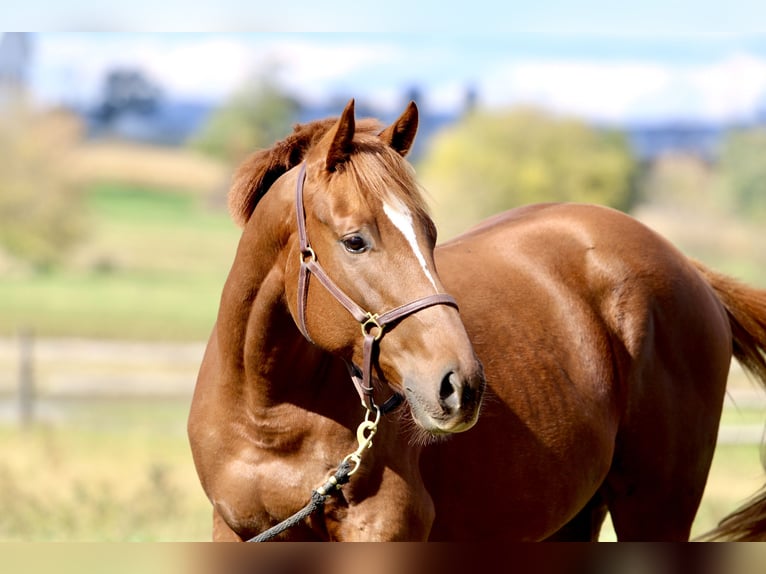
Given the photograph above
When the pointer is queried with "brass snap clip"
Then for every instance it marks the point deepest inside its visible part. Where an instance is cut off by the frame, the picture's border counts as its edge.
(364, 433)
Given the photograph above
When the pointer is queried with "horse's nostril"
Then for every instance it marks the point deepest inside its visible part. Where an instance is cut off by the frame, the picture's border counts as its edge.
(448, 392)
(446, 388)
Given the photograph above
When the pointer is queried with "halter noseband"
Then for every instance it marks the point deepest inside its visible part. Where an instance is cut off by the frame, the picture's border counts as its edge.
(372, 324)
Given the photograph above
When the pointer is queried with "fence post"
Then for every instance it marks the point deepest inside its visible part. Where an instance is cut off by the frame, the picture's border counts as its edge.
(26, 378)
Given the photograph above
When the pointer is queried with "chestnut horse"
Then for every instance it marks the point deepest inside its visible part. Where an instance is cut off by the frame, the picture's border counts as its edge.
(600, 351)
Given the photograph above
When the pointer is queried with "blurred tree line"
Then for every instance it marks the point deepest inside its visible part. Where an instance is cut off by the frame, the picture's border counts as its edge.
(41, 214)
(742, 169)
(733, 185)
(256, 116)
(490, 161)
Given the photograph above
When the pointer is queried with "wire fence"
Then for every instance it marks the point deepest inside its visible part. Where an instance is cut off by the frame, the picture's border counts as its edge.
(37, 374)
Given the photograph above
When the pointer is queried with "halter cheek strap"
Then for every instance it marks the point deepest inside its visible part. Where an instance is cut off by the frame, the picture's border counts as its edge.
(373, 325)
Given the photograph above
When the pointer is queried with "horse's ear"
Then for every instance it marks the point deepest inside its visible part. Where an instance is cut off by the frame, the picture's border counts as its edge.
(400, 134)
(341, 137)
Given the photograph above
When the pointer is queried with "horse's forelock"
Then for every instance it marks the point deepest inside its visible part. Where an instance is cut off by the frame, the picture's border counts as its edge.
(381, 172)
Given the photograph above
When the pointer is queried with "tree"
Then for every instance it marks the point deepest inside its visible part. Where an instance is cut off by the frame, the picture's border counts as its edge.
(742, 171)
(256, 116)
(127, 90)
(491, 161)
(41, 213)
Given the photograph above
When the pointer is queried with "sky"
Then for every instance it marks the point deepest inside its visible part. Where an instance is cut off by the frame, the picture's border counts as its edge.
(606, 62)
(551, 17)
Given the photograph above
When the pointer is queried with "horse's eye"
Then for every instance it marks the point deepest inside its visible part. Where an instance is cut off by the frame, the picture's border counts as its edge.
(355, 244)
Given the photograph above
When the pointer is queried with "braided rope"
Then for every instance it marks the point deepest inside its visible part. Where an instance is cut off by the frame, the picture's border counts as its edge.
(318, 498)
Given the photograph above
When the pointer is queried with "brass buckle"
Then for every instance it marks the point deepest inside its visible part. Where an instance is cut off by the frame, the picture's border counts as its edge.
(370, 324)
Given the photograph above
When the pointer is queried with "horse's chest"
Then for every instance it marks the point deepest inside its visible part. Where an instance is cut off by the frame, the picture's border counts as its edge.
(270, 475)
(268, 440)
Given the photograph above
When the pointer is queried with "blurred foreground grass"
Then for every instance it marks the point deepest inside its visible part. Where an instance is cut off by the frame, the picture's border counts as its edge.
(103, 470)
(736, 474)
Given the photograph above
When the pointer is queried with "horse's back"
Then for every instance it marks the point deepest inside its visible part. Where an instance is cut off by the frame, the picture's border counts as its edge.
(596, 336)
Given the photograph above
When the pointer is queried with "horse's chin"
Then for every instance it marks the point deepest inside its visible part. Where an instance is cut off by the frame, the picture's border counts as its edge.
(440, 426)
(427, 432)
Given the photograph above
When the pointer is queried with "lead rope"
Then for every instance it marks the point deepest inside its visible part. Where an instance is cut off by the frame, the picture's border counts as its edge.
(347, 467)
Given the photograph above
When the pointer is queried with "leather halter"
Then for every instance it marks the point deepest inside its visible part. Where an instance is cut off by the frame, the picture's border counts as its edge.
(373, 325)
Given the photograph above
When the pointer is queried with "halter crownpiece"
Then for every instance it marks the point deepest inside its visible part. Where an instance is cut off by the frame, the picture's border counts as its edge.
(373, 325)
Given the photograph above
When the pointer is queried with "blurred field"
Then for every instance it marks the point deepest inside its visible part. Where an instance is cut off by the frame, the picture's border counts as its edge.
(725, 243)
(147, 166)
(152, 268)
(160, 243)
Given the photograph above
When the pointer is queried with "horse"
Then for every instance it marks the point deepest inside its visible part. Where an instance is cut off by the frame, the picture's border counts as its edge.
(552, 364)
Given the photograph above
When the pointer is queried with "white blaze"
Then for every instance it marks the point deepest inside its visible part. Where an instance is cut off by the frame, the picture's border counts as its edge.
(401, 218)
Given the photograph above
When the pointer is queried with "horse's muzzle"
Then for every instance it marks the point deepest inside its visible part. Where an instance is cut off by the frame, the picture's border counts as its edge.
(455, 408)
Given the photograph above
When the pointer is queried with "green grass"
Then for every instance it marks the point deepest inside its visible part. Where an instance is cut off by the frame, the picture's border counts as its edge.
(127, 305)
(153, 267)
(748, 415)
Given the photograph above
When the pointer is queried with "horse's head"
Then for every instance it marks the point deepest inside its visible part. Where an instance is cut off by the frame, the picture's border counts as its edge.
(369, 230)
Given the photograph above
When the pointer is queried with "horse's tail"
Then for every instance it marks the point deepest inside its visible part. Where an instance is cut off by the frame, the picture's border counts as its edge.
(746, 309)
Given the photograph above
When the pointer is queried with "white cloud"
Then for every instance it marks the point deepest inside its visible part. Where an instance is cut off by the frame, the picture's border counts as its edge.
(71, 67)
(728, 89)
(604, 91)
(316, 61)
(207, 68)
(317, 69)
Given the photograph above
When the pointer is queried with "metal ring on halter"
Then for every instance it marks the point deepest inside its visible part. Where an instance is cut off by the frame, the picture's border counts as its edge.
(308, 254)
(372, 323)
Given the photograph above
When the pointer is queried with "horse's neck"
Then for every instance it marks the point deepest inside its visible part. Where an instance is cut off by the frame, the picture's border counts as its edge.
(276, 356)
(266, 359)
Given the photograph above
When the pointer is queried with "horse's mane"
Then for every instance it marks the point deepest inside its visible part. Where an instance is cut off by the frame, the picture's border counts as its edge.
(260, 170)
